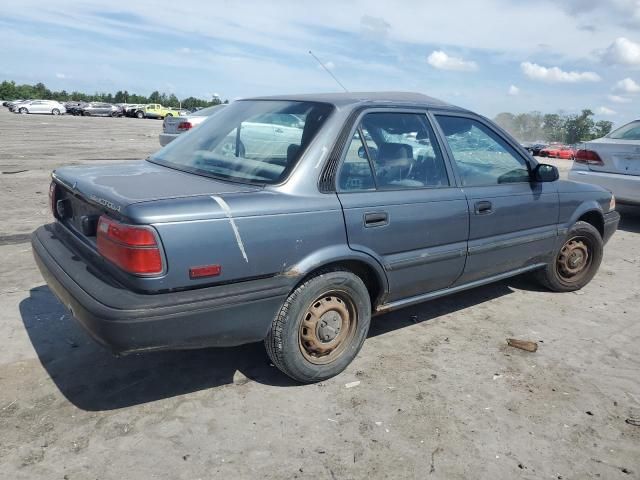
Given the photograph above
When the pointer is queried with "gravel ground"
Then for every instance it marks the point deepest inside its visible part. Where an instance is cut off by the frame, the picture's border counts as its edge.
(440, 395)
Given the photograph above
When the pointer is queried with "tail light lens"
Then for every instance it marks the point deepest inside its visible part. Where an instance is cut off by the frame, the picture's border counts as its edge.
(52, 198)
(185, 126)
(133, 248)
(588, 157)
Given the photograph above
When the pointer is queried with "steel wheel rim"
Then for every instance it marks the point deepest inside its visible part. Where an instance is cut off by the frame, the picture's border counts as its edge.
(327, 327)
(574, 260)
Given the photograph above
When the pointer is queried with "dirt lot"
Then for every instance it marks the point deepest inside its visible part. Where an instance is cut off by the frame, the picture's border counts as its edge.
(440, 393)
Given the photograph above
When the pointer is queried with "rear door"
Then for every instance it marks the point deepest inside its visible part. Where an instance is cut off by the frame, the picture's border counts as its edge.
(513, 219)
(400, 202)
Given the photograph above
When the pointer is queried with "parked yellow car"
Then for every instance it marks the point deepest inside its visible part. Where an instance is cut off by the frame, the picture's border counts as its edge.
(155, 110)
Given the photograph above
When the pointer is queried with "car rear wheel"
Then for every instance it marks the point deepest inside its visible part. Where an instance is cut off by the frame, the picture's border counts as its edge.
(55, 111)
(576, 261)
(321, 326)
(23, 111)
(140, 114)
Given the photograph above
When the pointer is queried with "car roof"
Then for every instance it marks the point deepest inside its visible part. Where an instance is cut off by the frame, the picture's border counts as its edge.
(341, 99)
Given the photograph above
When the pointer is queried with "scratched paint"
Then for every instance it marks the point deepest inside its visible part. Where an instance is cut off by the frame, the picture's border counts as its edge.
(224, 206)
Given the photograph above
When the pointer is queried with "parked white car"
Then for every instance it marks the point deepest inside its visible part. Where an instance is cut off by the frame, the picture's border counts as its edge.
(613, 162)
(174, 126)
(50, 107)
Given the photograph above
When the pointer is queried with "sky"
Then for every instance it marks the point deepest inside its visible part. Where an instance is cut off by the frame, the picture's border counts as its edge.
(489, 56)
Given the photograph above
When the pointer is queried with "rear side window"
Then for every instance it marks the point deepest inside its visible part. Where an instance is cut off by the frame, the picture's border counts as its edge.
(401, 151)
(482, 157)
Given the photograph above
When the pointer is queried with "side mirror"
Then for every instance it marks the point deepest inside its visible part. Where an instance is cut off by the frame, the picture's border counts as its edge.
(545, 173)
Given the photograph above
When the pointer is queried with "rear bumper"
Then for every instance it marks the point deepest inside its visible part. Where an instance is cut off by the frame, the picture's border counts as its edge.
(127, 321)
(626, 188)
(166, 138)
(611, 220)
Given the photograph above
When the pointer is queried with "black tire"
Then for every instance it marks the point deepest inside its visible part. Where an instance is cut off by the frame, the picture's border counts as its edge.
(55, 111)
(284, 342)
(560, 275)
(169, 115)
(23, 111)
(139, 114)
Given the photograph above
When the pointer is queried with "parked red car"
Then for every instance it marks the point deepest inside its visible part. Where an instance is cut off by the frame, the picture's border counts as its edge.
(566, 153)
(550, 151)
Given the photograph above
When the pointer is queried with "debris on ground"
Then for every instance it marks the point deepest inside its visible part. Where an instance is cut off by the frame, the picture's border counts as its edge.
(352, 384)
(632, 420)
(527, 345)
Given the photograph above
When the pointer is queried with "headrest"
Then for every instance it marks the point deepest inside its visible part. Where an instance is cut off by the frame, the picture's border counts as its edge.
(395, 154)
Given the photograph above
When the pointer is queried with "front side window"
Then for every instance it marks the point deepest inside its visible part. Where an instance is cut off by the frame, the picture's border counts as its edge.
(253, 141)
(481, 155)
(402, 150)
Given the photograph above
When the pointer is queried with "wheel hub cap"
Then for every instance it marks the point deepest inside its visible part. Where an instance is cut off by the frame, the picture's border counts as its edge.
(573, 258)
(326, 328)
(329, 326)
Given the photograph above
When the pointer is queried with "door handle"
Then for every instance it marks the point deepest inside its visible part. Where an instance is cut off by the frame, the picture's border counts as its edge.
(376, 219)
(483, 208)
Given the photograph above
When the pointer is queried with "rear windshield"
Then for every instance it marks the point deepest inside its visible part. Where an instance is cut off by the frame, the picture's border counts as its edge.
(631, 131)
(252, 141)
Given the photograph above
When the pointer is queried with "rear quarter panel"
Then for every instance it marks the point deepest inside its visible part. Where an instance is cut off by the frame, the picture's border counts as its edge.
(250, 235)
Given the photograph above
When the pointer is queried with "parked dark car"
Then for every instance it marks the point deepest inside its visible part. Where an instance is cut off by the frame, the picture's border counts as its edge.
(75, 108)
(100, 109)
(534, 148)
(231, 235)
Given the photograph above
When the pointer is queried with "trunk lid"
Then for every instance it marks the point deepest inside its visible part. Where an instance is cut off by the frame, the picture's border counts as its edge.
(120, 185)
(170, 124)
(618, 156)
(84, 193)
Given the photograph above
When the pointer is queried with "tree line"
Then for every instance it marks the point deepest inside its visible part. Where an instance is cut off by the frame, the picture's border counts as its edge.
(9, 90)
(554, 127)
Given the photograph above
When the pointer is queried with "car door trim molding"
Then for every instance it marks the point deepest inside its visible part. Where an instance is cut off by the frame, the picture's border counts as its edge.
(405, 302)
(511, 242)
(425, 258)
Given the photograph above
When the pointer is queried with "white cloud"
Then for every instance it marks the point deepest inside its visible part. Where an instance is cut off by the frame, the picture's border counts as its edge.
(513, 91)
(618, 99)
(329, 65)
(440, 60)
(60, 75)
(185, 50)
(623, 52)
(556, 75)
(627, 85)
(605, 111)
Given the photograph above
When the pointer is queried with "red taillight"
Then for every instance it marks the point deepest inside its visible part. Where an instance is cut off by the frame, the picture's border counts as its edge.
(185, 125)
(52, 198)
(588, 157)
(132, 248)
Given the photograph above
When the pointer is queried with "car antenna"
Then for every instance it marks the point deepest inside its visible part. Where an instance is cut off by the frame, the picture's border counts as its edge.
(328, 71)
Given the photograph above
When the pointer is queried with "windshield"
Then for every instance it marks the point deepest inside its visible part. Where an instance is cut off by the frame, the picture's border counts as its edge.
(631, 131)
(254, 141)
(205, 112)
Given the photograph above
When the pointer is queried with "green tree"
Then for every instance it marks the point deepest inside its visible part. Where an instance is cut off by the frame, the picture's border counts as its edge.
(602, 128)
(553, 127)
(579, 127)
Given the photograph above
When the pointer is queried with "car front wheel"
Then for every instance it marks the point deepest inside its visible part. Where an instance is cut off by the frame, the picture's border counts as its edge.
(321, 326)
(576, 262)
(23, 111)
(55, 111)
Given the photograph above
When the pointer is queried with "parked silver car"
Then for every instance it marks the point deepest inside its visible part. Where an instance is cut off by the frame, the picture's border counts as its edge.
(50, 107)
(613, 162)
(174, 126)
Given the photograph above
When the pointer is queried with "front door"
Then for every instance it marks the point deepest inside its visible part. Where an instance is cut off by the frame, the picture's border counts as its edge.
(401, 204)
(513, 219)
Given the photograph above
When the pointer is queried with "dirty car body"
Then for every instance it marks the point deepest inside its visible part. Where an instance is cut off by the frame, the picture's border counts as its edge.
(213, 240)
